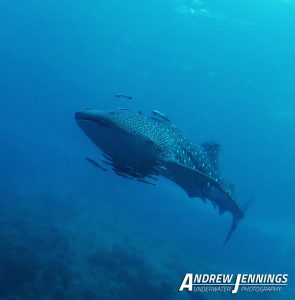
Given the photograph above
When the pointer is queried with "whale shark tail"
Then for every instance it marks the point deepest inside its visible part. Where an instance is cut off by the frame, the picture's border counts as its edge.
(236, 221)
(233, 227)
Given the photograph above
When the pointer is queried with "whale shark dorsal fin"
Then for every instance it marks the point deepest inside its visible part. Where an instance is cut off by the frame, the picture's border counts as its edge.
(212, 150)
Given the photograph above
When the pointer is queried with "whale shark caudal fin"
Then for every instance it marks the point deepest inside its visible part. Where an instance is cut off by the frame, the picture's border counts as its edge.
(233, 227)
(236, 221)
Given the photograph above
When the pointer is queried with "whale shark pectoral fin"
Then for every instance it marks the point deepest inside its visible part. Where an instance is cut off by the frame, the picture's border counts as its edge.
(193, 181)
(178, 170)
(190, 175)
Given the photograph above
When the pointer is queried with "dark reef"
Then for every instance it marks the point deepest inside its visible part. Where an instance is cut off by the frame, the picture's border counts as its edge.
(40, 259)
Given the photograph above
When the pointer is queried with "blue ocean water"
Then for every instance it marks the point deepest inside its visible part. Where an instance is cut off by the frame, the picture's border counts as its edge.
(221, 70)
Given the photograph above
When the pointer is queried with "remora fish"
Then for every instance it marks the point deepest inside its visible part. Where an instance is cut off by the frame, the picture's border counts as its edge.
(142, 147)
(95, 163)
(123, 96)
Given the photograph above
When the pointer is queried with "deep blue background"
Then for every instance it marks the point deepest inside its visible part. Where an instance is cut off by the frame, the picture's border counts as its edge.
(221, 70)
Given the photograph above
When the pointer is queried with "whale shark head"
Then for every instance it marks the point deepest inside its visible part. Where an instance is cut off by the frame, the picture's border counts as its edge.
(92, 116)
(100, 128)
(122, 136)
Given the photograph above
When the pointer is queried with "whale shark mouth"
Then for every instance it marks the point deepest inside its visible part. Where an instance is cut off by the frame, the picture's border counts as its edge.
(84, 117)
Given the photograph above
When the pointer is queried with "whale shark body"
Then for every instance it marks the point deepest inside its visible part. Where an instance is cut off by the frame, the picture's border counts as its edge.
(143, 147)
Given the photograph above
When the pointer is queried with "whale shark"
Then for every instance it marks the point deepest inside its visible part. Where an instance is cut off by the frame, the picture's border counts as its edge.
(143, 147)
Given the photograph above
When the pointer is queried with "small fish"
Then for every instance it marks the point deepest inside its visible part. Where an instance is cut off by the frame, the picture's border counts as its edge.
(145, 181)
(160, 115)
(123, 96)
(96, 164)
